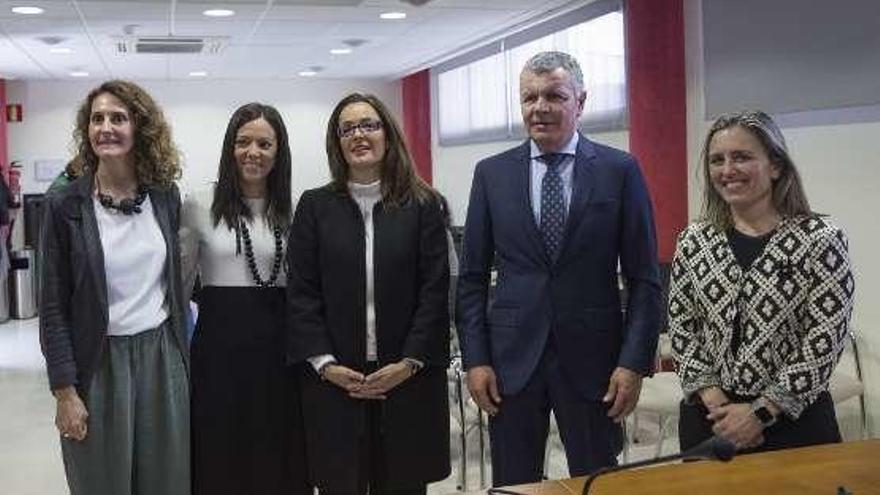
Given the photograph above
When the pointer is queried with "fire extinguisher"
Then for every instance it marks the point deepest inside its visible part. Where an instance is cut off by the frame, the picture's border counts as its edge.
(14, 183)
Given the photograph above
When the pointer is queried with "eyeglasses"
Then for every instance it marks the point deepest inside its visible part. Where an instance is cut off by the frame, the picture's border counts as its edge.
(366, 126)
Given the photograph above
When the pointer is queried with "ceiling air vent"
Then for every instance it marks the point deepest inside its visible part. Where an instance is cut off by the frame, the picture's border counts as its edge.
(170, 45)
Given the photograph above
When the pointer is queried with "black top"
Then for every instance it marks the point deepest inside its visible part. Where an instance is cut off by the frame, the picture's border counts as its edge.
(747, 248)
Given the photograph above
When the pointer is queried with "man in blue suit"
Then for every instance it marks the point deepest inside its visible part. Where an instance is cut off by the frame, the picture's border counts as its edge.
(557, 216)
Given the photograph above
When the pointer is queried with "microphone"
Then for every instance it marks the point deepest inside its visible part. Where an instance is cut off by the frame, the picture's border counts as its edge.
(712, 449)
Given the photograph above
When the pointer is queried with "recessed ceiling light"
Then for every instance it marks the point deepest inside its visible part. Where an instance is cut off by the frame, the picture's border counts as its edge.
(27, 10)
(340, 51)
(198, 73)
(218, 12)
(79, 73)
(308, 73)
(393, 15)
(60, 50)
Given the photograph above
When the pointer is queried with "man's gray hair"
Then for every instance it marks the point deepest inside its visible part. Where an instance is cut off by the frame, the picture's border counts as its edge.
(544, 62)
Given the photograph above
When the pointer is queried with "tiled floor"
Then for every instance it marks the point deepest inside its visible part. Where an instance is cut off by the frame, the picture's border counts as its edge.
(30, 458)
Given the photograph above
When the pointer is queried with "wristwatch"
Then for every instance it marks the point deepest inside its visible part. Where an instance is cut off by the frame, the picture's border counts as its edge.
(414, 365)
(762, 412)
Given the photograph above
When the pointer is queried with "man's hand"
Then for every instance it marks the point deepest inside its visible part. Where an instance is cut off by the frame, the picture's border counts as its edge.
(735, 422)
(483, 386)
(623, 393)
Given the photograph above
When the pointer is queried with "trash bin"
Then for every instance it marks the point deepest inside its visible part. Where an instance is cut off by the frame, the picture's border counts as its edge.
(4, 298)
(22, 286)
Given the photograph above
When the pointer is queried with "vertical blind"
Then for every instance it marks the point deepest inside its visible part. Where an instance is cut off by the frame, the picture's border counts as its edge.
(478, 97)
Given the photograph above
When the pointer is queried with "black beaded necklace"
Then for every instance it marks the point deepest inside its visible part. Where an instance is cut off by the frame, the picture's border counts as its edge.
(251, 261)
(126, 206)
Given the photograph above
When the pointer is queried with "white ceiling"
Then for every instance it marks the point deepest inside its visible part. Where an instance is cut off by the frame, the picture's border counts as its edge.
(267, 39)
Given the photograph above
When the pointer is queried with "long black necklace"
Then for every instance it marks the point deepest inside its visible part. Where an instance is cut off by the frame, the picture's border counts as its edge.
(252, 262)
(126, 206)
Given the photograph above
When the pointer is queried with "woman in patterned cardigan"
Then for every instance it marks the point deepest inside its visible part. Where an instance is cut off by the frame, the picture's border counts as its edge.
(760, 298)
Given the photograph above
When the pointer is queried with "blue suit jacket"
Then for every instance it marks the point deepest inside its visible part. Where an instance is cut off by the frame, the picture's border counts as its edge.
(575, 297)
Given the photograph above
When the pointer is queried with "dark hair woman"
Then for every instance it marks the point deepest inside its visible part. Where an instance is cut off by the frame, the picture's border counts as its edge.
(247, 424)
(368, 299)
(111, 313)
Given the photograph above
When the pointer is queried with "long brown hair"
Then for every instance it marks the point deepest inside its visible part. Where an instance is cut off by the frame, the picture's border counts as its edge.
(156, 159)
(400, 182)
(787, 193)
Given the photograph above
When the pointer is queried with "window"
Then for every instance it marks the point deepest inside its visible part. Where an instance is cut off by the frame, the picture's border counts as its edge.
(478, 93)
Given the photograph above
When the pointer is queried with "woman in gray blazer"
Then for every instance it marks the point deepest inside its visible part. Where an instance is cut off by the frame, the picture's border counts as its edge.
(111, 318)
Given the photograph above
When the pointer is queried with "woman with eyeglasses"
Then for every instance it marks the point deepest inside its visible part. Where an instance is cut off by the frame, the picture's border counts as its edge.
(246, 416)
(368, 296)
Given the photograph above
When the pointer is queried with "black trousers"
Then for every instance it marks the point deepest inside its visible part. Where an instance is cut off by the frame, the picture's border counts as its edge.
(373, 474)
(816, 425)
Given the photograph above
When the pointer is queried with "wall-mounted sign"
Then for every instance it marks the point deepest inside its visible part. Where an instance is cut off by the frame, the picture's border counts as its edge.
(13, 112)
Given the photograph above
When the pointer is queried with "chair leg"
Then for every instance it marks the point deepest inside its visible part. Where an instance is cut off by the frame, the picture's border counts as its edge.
(461, 412)
(482, 448)
(864, 419)
(626, 440)
(635, 432)
(661, 435)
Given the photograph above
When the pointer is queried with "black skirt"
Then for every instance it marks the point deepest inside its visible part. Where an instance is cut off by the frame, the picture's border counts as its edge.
(247, 428)
(816, 425)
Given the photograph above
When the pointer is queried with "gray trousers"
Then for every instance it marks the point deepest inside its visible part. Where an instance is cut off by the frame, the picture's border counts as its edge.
(138, 426)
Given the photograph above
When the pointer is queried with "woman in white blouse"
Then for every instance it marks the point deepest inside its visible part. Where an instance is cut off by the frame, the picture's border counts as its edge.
(247, 426)
(111, 318)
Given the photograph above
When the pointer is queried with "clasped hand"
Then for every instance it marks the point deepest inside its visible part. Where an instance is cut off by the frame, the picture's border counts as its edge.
(735, 422)
(374, 386)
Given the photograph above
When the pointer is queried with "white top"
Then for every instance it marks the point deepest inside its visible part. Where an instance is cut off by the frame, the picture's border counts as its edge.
(134, 264)
(366, 196)
(211, 251)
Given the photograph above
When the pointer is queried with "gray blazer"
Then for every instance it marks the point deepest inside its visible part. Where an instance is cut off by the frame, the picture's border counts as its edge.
(74, 312)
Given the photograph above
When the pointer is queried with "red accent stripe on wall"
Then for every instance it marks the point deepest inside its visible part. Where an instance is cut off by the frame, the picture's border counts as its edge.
(657, 109)
(416, 89)
(4, 140)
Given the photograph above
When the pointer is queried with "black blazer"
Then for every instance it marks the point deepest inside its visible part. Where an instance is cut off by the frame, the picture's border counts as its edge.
(327, 300)
(74, 312)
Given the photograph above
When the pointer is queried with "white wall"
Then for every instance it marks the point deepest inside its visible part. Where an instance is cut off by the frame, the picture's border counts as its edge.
(838, 165)
(198, 112)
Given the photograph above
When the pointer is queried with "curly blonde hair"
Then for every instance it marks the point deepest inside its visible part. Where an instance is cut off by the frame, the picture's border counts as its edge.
(155, 157)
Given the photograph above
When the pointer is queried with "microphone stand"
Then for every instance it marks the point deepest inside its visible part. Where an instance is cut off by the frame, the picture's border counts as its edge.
(715, 448)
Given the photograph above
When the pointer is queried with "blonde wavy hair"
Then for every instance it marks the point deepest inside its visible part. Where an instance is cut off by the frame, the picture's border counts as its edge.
(155, 157)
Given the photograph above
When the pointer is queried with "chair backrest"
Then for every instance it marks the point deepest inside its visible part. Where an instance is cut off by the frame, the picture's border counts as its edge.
(845, 384)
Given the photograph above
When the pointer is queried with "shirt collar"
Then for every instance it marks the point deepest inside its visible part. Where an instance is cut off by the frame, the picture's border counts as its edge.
(569, 149)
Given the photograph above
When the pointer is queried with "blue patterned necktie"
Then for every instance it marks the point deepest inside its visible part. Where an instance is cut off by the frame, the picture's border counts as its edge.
(552, 204)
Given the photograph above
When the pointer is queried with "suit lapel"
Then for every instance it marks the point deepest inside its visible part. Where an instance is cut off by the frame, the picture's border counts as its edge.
(524, 174)
(581, 188)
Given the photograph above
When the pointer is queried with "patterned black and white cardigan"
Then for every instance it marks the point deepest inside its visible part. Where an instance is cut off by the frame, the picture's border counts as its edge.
(794, 305)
